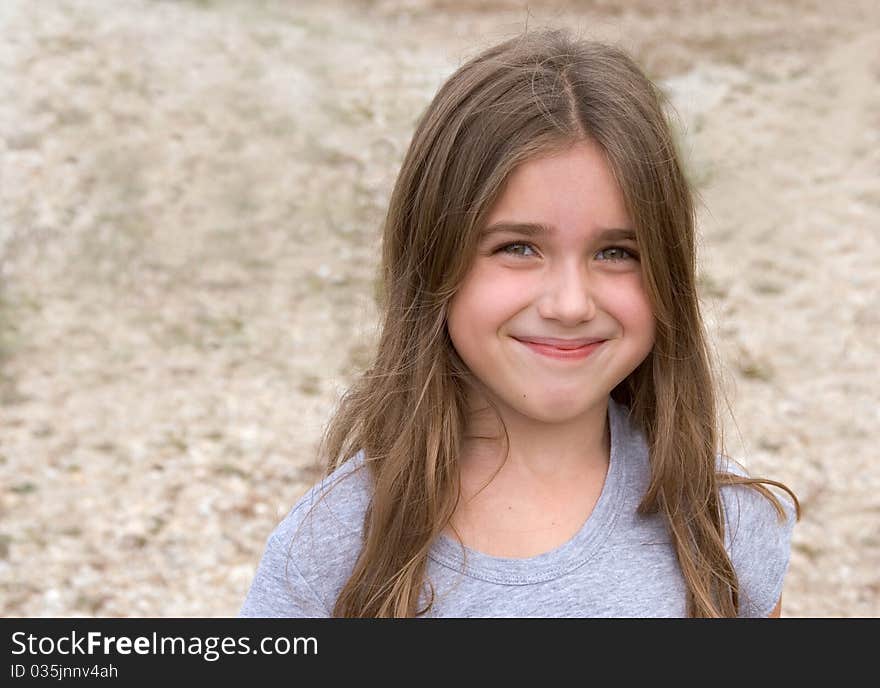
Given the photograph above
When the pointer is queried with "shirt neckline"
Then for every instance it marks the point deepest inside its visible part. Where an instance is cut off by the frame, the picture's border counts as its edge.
(570, 555)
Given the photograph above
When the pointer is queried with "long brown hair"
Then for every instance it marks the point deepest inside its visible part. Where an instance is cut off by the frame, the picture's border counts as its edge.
(528, 96)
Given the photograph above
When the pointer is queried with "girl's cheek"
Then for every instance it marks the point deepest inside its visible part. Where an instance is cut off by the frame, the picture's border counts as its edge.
(508, 289)
(495, 278)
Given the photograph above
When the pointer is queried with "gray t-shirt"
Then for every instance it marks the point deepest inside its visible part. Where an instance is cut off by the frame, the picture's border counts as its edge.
(619, 564)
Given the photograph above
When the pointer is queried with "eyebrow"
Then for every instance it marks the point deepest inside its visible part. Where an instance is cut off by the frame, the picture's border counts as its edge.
(531, 229)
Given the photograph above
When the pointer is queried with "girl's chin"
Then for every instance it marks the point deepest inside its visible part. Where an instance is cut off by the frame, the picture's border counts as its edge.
(551, 411)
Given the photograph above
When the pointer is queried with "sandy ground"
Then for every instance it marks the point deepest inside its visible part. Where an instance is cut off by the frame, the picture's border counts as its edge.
(190, 196)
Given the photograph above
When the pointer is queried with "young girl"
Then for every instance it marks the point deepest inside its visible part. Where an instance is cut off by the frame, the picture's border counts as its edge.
(537, 433)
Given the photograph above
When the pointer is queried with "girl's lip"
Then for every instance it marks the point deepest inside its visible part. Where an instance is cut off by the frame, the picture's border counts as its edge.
(567, 354)
(560, 343)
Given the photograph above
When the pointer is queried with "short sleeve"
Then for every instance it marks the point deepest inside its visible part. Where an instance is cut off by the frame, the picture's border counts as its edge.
(758, 541)
(279, 588)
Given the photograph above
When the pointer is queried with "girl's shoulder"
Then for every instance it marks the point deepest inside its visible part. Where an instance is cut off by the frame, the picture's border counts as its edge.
(312, 551)
(757, 538)
(743, 503)
(332, 509)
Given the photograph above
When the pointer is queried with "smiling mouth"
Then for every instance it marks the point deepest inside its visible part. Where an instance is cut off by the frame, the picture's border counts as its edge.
(575, 353)
(561, 343)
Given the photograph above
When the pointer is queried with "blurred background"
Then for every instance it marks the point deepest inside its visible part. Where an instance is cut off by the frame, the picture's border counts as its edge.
(191, 198)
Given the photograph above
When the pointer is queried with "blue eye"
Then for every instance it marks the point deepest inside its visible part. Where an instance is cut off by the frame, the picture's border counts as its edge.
(631, 254)
(504, 249)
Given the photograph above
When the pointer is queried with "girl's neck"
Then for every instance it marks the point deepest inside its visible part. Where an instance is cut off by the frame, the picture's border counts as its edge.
(540, 453)
(540, 496)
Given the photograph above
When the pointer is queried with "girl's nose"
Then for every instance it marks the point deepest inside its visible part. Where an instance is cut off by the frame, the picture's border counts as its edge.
(568, 296)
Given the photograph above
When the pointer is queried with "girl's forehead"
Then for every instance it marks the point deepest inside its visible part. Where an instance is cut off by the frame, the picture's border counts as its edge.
(572, 188)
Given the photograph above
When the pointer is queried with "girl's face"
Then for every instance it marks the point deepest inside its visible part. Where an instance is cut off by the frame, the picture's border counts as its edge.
(566, 282)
